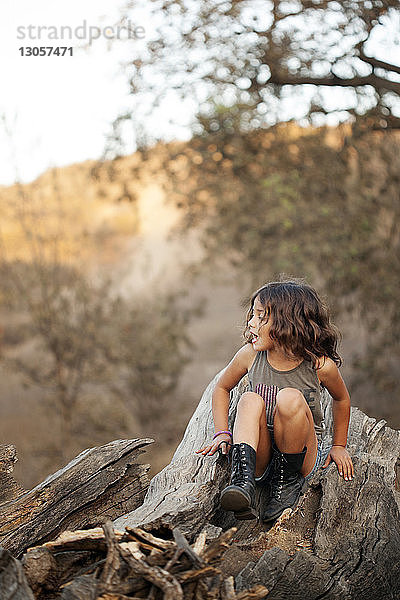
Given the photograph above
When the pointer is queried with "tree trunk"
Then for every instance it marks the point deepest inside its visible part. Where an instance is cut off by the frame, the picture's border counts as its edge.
(101, 483)
(341, 541)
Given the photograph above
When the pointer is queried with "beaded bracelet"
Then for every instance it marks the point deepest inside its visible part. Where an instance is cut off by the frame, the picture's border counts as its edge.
(219, 432)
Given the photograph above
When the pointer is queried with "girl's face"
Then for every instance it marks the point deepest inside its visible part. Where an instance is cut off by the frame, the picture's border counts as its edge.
(260, 327)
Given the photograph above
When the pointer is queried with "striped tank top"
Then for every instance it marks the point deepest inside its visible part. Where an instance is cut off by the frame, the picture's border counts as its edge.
(267, 381)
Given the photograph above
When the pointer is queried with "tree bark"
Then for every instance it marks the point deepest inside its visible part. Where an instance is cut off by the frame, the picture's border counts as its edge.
(185, 493)
(101, 483)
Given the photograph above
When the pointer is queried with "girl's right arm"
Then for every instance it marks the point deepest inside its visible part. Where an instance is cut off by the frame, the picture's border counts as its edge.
(231, 376)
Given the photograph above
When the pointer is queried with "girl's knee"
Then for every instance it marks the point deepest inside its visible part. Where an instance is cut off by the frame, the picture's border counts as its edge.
(250, 401)
(289, 401)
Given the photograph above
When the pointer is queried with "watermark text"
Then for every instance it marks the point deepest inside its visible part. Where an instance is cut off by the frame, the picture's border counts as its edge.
(81, 32)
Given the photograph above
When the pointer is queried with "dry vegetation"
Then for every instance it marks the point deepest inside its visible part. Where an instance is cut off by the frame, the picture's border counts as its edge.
(85, 357)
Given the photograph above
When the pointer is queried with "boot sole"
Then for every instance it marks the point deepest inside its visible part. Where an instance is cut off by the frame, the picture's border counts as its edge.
(276, 516)
(246, 515)
(232, 498)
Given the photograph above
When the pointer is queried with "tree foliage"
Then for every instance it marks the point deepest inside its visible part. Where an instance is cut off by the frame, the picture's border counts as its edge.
(314, 202)
(270, 198)
(278, 60)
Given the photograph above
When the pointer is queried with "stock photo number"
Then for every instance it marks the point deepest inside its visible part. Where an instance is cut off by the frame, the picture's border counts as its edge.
(46, 50)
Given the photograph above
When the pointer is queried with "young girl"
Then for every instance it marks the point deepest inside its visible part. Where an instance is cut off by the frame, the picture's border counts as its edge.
(291, 351)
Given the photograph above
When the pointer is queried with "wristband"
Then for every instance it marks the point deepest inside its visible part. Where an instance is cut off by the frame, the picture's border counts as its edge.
(219, 432)
(341, 445)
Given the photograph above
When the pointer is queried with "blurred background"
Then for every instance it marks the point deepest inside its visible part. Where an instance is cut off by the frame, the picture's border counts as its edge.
(185, 154)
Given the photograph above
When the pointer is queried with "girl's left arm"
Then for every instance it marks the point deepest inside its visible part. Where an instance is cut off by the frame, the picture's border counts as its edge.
(331, 378)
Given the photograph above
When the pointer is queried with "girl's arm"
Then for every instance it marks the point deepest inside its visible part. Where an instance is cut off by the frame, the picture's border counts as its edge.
(331, 378)
(231, 376)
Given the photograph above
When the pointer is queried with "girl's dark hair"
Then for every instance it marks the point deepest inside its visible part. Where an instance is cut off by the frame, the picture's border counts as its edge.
(300, 321)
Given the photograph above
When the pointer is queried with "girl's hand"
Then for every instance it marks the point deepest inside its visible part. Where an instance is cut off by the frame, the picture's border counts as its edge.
(222, 441)
(343, 461)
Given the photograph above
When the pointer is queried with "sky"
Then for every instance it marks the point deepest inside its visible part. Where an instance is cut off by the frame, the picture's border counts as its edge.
(57, 110)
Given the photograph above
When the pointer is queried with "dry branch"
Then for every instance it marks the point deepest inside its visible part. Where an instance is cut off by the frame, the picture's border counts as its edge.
(122, 568)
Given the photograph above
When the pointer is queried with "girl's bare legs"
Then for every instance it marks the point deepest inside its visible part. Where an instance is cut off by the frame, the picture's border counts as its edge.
(294, 426)
(251, 428)
(251, 453)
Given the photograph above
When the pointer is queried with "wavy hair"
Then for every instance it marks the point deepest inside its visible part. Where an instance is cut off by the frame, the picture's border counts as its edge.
(300, 320)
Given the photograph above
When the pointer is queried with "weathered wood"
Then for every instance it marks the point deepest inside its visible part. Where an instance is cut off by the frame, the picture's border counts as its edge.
(13, 584)
(128, 567)
(342, 540)
(72, 555)
(82, 588)
(159, 577)
(98, 484)
(123, 568)
(144, 536)
(355, 530)
(218, 546)
(185, 493)
(85, 539)
(41, 570)
(113, 563)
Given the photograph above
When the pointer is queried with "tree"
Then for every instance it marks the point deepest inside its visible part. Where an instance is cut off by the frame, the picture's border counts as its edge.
(278, 60)
(311, 202)
(317, 203)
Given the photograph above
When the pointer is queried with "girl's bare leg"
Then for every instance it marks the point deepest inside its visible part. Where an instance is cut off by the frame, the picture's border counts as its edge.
(251, 428)
(294, 426)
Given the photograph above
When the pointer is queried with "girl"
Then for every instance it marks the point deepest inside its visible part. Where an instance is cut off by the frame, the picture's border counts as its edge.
(291, 351)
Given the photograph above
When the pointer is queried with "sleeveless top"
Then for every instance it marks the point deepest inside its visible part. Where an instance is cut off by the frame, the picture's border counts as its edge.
(267, 381)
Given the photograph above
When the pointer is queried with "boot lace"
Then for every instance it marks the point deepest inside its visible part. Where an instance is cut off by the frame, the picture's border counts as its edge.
(278, 477)
(239, 471)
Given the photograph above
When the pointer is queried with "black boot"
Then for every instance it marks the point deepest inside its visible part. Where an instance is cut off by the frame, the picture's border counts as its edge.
(286, 482)
(239, 496)
(263, 483)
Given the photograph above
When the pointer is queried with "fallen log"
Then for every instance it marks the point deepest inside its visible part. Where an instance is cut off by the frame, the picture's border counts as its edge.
(341, 541)
(101, 483)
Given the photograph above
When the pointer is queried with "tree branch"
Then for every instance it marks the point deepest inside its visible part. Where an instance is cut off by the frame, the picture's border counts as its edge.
(374, 62)
(332, 80)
